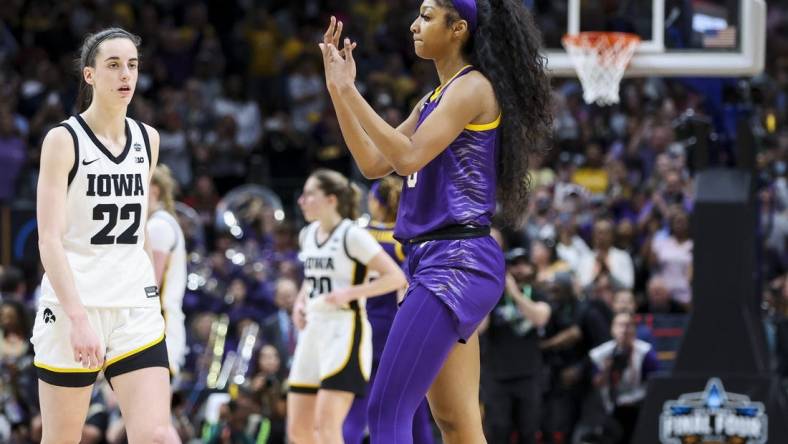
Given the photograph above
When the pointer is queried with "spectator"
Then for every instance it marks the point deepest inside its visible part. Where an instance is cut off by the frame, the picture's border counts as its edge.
(306, 91)
(18, 381)
(13, 153)
(606, 258)
(244, 112)
(268, 387)
(545, 258)
(12, 285)
(278, 329)
(622, 367)
(239, 421)
(658, 299)
(512, 385)
(571, 332)
(672, 257)
(174, 147)
(571, 247)
(592, 174)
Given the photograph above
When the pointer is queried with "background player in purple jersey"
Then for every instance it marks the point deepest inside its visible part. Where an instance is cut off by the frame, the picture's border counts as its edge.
(464, 143)
(382, 201)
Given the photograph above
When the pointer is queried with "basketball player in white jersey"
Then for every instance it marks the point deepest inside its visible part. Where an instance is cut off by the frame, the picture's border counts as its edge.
(99, 307)
(333, 357)
(168, 246)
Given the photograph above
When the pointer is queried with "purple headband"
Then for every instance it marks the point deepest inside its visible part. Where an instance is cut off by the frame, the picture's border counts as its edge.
(467, 10)
(375, 191)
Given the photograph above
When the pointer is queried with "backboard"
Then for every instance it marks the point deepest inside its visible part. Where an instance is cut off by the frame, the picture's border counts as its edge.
(678, 37)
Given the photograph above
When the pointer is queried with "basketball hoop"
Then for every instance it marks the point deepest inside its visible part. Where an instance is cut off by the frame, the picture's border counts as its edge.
(600, 59)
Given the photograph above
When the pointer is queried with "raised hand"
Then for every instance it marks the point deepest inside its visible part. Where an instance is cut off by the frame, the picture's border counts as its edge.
(333, 33)
(339, 64)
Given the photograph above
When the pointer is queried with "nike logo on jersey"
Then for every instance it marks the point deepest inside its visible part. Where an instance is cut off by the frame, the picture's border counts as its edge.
(86, 163)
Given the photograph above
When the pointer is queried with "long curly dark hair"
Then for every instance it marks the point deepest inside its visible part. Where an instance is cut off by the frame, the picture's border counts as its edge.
(506, 48)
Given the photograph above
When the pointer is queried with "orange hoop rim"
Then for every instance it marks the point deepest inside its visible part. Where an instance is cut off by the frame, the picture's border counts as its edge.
(594, 37)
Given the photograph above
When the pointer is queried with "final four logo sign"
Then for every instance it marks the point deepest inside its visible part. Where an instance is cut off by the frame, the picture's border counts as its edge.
(713, 416)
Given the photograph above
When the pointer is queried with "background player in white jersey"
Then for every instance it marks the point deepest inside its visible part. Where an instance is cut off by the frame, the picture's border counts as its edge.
(99, 306)
(168, 248)
(333, 357)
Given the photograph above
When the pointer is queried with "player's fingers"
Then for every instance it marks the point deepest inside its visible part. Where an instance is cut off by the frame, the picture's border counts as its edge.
(84, 357)
(348, 49)
(99, 358)
(337, 34)
(330, 31)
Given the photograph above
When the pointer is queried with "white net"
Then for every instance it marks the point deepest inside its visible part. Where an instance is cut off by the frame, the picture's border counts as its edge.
(600, 59)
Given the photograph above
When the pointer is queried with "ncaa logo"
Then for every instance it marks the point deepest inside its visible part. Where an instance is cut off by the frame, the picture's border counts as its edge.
(137, 147)
(713, 416)
(49, 317)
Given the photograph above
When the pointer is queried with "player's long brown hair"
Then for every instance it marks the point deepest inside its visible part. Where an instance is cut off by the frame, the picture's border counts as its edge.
(505, 47)
(162, 178)
(347, 193)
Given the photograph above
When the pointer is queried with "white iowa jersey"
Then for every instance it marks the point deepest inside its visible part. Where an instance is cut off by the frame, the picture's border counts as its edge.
(338, 262)
(164, 234)
(106, 209)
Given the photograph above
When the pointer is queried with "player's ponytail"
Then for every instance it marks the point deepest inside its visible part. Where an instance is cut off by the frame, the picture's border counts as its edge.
(87, 57)
(387, 192)
(505, 47)
(347, 193)
(162, 178)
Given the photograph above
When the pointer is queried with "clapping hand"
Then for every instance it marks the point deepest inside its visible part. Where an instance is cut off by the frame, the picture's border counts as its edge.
(339, 64)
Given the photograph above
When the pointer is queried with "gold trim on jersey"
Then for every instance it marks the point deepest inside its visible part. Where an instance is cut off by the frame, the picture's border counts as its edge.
(484, 126)
(349, 350)
(382, 236)
(134, 352)
(300, 385)
(399, 251)
(364, 334)
(163, 288)
(66, 370)
(440, 88)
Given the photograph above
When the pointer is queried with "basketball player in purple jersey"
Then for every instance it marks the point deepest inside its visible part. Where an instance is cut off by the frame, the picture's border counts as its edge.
(382, 202)
(465, 142)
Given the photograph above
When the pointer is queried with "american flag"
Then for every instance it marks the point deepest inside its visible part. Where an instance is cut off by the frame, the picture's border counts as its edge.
(721, 38)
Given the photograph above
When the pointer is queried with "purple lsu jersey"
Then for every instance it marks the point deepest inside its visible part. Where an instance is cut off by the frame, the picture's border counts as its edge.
(382, 309)
(458, 186)
(385, 306)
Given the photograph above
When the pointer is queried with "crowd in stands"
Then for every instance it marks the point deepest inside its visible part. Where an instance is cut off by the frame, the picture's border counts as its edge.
(236, 91)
